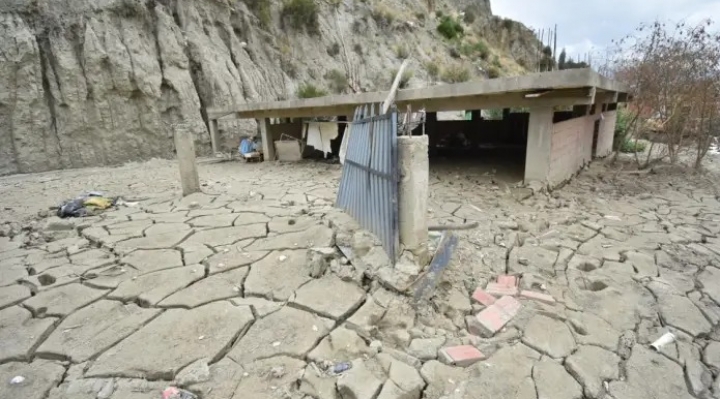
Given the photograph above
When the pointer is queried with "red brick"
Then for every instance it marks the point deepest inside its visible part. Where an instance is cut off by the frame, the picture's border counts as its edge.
(507, 281)
(509, 305)
(493, 318)
(538, 296)
(496, 289)
(483, 297)
(461, 356)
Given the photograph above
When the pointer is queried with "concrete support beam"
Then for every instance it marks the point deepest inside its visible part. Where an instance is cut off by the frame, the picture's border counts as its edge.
(267, 140)
(539, 144)
(185, 150)
(413, 194)
(214, 136)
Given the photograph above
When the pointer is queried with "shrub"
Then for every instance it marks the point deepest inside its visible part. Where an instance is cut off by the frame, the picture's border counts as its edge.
(301, 14)
(456, 74)
(630, 146)
(420, 16)
(621, 128)
(472, 49)
(404, 78)
(450, 28)
(401, 51)
(308, 90)
(508, 24)
(469, 16)
(334, 49)
(358, 48)
(337, 81)
(439, 13)
(261, 9)
(383, 15)
(433, 69)
(493, 72)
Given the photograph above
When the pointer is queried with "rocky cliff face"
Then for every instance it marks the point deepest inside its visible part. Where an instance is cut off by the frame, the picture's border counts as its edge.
(97, 82)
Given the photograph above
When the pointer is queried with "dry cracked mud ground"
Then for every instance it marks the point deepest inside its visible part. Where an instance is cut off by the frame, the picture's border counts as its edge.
(242, 292)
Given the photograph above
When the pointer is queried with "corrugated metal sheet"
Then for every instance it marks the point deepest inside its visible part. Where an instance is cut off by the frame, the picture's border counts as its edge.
(369, 185)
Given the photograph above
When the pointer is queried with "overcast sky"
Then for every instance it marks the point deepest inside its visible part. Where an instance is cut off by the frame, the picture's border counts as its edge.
(589, 25)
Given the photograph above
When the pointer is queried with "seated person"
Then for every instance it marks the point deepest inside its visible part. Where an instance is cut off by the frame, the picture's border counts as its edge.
(248, 147)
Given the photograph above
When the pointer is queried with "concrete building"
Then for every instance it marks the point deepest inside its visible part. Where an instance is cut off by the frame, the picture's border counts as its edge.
(552, 123)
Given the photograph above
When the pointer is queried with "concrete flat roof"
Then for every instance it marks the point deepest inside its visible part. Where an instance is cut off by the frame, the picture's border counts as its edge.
(557, 88)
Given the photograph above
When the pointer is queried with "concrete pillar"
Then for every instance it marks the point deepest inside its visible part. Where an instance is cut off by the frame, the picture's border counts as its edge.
(413, 194)
(539, 144)
(185, 149)
(214, 137)
(267, 140)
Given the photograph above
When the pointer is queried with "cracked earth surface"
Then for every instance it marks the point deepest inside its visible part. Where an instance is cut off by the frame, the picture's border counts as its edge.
(242, 292)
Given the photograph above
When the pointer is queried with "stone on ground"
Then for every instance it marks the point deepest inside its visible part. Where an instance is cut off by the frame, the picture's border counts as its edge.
(553, 382)
(359, 383)
(20, 333)
(342, 345)
(650, 375)
(318, 236)
(154, 287)
(63, 300)
(406, 381)
(91, 330)
(278, 275)
(222, 382)
(425, 348)
(329, 296)
(549, 336)
(13, 294)
(289, 331)
(365, 320)
(591, 366)
(173, 340)
(228, 235)
(40, 377)
(147, 261)
(317, 384)
(220, 286)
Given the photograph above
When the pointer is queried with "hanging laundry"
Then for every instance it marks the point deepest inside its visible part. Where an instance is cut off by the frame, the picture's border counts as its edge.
(319, 135)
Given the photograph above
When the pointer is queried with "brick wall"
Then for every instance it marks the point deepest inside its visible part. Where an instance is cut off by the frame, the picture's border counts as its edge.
(571, 147)
(606, 134)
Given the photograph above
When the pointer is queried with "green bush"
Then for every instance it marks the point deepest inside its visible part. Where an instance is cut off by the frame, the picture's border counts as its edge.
(337, 81)
(301, 14)
(433, 69)
(450, 28)
(456, 74)
(261, 9)
(621, 133)
(401, 51)
(308, 90)
(439, 13)
(630, 146)
(473, 49)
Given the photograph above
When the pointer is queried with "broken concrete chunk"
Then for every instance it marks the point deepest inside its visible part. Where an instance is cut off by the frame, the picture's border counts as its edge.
(359, 383)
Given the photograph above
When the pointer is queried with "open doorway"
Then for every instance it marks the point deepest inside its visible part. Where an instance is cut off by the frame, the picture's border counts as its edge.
(487, 145)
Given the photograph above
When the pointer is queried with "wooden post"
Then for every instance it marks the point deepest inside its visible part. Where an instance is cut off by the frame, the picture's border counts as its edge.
(185, 149)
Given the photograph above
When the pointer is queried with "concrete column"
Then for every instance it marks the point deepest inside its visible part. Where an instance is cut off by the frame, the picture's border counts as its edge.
(413, 194)
(185, 149)
(267, 140)
(539, 144)
(214, 137)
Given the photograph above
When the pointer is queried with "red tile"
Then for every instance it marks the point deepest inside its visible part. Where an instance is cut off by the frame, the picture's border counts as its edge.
(497, 289)
(461, 356)
(482, 297)
(507, 281)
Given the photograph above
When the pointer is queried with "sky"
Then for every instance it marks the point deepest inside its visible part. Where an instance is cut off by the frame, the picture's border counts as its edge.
(591, 25)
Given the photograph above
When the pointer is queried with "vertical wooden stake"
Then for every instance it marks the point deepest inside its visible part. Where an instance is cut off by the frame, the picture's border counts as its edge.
(185, 149)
